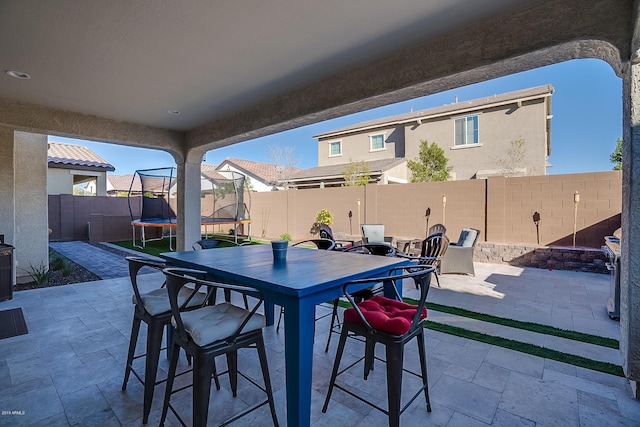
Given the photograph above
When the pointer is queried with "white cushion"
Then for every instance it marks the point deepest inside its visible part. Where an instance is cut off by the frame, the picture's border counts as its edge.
(467, 237)
(212, 323)
(157, 301)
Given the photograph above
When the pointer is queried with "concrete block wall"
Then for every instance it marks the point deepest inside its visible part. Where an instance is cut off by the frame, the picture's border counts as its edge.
(501, 208)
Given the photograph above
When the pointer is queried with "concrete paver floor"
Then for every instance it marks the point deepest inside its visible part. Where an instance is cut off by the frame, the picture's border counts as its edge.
(68, 369)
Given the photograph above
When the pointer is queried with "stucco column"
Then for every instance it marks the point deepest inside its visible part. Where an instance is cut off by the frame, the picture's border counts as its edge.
(630, 279)
(7, 186)
(31, 202)
(188, 229)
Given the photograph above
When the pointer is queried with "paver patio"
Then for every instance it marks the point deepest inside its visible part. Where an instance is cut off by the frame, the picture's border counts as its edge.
(68, 370)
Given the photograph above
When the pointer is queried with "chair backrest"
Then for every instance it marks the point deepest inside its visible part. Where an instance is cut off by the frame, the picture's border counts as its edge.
(381, 249)
(178, 277)
(325, 232)
(432, 245)
(324, 244)
(206, 244)
(421, 275)
(437, 228)
(372, 233)
(135, 264)
(211, 243)
(433, 249)
(468, 237)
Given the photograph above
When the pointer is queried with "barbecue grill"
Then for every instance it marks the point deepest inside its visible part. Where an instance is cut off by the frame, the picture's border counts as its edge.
(611, 250)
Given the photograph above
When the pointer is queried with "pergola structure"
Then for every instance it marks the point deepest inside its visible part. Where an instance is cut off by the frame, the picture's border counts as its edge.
(188, 77)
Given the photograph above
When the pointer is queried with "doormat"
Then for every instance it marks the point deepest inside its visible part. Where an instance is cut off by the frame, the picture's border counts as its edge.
(12, 323)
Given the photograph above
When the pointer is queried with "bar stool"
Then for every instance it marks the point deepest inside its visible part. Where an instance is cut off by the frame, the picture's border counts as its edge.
(392, 323)
(379, 249)
(152, 308)
(212, 331)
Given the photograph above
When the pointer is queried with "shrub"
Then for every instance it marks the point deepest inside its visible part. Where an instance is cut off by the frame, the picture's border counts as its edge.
(285, 236)
(324, 217)
(57, 262)
(39, 274)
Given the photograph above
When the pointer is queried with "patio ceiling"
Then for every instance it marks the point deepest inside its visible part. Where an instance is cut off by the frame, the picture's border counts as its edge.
(243, 69)
(134, 61)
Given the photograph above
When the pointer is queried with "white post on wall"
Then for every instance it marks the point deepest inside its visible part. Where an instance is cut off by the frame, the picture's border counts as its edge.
(576, 200)
(444, 208)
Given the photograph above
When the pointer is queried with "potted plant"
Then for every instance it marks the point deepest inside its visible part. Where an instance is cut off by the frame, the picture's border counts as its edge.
(323, 217)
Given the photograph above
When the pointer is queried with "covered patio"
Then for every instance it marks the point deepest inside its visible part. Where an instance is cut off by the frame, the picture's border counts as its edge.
(191, 78)
(68, 369)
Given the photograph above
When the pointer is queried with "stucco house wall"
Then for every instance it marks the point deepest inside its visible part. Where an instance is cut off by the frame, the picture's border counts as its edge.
(356, 147)
(497, 127)
(519, 115)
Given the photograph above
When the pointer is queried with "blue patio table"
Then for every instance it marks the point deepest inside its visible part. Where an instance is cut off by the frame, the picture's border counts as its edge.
(307, 278)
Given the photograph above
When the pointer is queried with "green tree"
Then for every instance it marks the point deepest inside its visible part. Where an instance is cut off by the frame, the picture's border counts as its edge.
(356, 173)
(430, 165)
(616, 156)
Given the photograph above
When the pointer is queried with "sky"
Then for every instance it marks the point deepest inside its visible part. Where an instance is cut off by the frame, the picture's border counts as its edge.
(586, 107)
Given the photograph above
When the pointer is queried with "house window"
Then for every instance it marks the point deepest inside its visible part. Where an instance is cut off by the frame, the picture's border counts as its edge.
(335, 148)
(376, 142)
(466, 131)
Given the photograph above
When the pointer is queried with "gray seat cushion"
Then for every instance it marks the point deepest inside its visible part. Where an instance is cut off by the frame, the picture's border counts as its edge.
(157, 301)
(213, 323)
(467, 238)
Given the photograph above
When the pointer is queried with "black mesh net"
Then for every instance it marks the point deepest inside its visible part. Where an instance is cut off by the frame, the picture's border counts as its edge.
(157, 199)
(223, 197)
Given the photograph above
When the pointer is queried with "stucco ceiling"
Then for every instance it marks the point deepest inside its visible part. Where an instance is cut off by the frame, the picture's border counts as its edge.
(133, 60)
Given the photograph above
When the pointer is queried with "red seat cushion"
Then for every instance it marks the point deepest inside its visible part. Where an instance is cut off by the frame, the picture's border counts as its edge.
(385, 314)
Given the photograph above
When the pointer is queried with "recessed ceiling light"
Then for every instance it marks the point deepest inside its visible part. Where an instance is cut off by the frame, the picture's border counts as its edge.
(17, 74)
(174, 112)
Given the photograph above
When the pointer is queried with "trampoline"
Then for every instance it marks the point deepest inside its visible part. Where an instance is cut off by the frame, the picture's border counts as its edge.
(222, 203)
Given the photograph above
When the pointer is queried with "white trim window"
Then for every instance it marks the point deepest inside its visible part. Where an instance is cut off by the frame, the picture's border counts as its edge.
(376, 142)
(466, 131)
(335, 148)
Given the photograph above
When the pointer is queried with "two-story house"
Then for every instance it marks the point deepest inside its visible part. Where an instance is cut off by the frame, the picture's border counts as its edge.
(476, 136)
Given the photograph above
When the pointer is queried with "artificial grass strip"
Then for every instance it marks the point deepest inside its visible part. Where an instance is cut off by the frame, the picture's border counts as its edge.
(156, 247)
(583, 362)
(527, 326)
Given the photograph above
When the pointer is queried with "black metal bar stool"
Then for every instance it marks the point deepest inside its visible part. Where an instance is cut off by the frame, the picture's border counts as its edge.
(152, 308)
(212, 331)
(392, 323)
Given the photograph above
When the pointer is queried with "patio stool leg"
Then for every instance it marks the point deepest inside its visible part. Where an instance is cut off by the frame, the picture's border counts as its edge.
(423, 367)
(173, 363)
(280, 319)
(154, 344)
(135, 330)
(394, 382)
(262, 355)
(232, 366)
(336, 366)
(334, 318)
(202, 371)
(369, 354)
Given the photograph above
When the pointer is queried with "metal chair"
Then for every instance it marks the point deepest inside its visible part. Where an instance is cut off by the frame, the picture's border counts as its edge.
(321, 244)
(208, 332)
(380, 249)
(433, 249)
(392, 323)
(154, 309)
